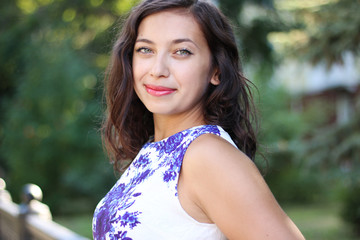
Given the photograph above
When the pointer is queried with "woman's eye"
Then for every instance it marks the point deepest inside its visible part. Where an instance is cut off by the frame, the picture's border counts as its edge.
(144, 50)
(183, 52)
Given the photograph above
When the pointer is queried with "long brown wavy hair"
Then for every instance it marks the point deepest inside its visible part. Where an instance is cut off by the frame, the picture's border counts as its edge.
(128, 124)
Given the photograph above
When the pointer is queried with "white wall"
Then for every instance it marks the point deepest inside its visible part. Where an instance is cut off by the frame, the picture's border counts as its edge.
(304, 78)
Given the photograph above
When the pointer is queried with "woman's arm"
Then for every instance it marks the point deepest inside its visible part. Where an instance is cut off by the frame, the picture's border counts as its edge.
(229, 189)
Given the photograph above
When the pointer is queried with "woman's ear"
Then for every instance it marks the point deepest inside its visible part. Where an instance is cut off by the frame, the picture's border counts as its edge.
(215, 79)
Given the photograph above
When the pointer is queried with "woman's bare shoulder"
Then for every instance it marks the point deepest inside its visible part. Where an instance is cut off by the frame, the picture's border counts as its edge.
(228, 187)
(214, 152)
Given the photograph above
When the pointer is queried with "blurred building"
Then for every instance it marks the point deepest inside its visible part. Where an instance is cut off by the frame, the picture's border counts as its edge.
(336, 86)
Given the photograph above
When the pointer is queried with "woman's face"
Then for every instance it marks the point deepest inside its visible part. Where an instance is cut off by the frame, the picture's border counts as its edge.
(172, 64)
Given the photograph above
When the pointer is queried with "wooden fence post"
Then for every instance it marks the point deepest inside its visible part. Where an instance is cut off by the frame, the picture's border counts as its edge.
(31, 220)
(31, 205)
(9, 212)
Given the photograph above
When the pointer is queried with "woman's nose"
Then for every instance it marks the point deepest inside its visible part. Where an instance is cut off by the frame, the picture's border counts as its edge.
(160, 67)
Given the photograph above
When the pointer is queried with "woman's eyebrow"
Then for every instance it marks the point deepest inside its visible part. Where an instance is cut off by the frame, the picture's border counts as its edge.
(181, 40)
(144, 40)
(176, 41)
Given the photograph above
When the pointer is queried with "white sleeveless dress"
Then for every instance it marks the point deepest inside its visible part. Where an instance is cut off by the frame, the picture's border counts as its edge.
(143, 204)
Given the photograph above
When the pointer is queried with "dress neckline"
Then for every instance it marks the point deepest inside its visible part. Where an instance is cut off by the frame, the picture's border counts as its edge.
(151, 139)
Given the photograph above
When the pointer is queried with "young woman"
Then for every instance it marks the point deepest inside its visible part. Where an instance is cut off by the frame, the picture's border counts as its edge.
(179, 106)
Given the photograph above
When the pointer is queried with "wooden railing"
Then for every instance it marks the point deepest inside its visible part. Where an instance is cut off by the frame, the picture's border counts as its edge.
(31, 220)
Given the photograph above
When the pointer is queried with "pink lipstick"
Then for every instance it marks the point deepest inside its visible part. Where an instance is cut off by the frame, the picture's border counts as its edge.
(158, 91)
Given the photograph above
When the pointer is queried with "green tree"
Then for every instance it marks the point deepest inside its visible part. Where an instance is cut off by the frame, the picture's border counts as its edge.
(253, 20)
(52, 56)
(325, 29)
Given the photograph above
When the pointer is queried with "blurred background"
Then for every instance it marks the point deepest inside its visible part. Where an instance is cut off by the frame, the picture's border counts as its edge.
(302, 55)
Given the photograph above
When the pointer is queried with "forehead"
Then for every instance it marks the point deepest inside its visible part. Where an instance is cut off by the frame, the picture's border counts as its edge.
(176, 23)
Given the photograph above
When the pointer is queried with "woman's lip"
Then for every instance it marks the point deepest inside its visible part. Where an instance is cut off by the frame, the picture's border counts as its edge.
(158, 90)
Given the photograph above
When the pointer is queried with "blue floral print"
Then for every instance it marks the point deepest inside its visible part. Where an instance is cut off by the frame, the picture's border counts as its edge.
(117, 215)
(142, 161)
(130, 219)
(121, 236)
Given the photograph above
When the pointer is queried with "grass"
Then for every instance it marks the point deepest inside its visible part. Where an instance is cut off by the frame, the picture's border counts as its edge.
(80, 224)
(316, 222)
(320, 222)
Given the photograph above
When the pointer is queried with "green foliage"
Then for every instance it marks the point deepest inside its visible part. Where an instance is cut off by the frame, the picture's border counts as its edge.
(338, 25)
(280, 135)
(253, 20)
(50, 133)
(290, 182)
(334, 152)
(307, 169)
(330, 28)
(351, 206)
(304, 159)
(51, 100)
(334, 147)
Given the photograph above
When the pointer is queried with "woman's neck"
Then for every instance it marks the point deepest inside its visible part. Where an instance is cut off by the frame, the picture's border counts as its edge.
(165, 126)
